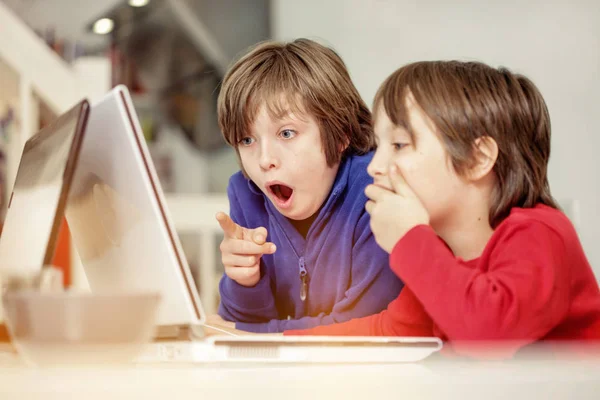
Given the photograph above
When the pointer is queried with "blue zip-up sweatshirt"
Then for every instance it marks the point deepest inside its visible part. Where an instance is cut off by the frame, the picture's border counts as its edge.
(347, 274)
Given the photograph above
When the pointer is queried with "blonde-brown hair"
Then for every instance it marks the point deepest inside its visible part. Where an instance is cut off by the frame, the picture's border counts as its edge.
(302, 76)
(468, 100)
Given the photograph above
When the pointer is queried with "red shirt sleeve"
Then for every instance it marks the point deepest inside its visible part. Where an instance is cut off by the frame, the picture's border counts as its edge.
(517, 290)
(404, 316)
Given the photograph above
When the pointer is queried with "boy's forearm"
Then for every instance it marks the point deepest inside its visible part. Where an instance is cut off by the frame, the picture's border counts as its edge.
(280, 325)
(246, 304)
(333, 324)
(507, 301)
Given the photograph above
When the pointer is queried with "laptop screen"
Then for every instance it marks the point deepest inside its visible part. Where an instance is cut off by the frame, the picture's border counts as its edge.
(36, 205)
(118, 218)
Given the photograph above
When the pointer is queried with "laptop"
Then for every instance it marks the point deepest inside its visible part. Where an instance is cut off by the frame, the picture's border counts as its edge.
(119, 222)
(39, 197)
(121, 228)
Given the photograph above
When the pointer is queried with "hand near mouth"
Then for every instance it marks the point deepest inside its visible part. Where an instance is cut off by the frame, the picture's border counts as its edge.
(393, 211)
(241, 250)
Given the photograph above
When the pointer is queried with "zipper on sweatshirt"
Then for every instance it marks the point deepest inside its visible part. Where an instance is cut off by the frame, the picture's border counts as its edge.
(303, 279)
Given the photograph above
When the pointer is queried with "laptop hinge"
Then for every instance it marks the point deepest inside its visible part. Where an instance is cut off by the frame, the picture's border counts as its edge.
(178, 332)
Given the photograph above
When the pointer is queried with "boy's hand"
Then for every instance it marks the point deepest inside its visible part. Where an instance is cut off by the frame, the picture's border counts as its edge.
(394, 213)
(241, 250)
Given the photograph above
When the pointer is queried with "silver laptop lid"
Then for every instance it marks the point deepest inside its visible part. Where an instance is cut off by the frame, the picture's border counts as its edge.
(118, 216)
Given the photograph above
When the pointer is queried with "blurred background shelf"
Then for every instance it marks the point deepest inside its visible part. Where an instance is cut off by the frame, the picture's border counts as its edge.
(172, 55)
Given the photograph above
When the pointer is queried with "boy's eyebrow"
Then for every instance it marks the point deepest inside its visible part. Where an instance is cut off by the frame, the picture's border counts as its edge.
(284, 117)
(291, 117)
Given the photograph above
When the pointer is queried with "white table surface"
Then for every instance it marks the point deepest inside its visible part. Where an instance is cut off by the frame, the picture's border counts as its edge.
(431, 379)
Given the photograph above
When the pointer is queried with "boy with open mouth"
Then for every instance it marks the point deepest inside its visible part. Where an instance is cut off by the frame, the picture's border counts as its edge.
(298, 250)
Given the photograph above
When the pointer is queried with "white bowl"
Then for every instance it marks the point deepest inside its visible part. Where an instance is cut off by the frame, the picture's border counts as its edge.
(79, 328)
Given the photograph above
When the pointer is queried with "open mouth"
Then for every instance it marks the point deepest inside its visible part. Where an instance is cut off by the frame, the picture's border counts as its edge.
(281, 192)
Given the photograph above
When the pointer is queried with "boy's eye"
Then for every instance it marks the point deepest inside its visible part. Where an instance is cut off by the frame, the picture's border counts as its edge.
(287, 133)
(399, 146)
(247, 141)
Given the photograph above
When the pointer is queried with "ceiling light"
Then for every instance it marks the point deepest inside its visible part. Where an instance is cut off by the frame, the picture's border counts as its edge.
(103, 26)
(138, 3)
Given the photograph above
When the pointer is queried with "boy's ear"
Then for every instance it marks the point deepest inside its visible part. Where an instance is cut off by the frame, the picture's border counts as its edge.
(344, 145)
(485, 151)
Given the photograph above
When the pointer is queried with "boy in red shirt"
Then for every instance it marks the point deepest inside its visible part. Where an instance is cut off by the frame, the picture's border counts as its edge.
(461, 202)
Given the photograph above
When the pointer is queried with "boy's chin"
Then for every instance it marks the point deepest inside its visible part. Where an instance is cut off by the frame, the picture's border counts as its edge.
(296, 215)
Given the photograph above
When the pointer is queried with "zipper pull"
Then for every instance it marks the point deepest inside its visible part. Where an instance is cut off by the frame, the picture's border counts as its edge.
(303, 279)
(303, 287)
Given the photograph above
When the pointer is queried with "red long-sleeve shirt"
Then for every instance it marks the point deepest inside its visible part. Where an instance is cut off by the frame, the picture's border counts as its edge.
(532, 282)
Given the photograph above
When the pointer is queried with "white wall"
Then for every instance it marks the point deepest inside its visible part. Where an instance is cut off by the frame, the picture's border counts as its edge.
(555, 43)
(68, 18)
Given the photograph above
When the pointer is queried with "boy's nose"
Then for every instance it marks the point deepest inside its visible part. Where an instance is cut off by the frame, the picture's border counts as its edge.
(377, 167)
(268, 160)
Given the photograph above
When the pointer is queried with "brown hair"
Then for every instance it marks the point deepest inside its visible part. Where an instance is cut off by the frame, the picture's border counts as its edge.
(468, 100)
(300, 76)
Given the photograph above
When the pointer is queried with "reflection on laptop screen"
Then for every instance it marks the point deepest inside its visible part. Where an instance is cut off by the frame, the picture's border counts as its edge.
(35, 209)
